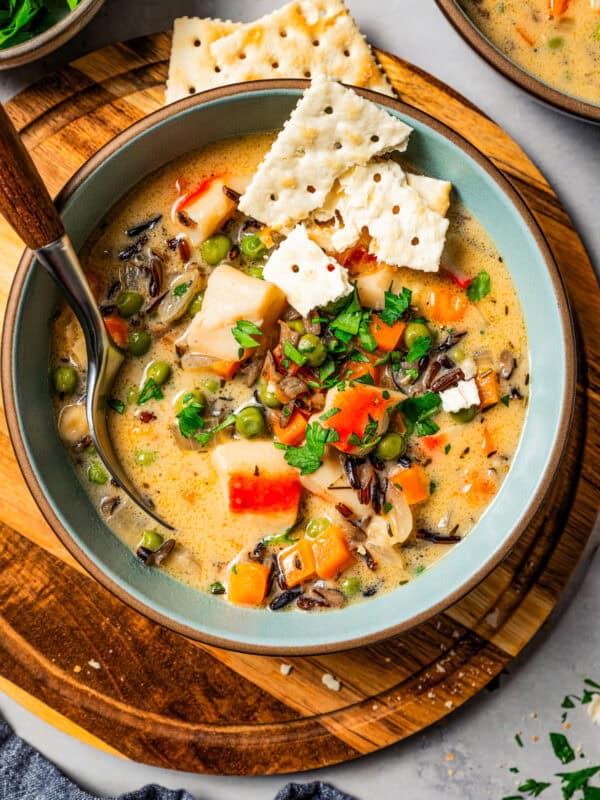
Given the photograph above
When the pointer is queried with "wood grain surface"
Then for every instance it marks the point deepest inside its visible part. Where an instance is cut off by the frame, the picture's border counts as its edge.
(87, 663)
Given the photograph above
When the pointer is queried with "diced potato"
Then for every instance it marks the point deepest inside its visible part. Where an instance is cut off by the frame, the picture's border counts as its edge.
(72, 423)
(258, 482)
(325, 483)
(373, 285)
(231, 295)
(210, 212)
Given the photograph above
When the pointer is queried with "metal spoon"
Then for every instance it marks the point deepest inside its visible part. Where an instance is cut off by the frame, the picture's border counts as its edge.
(28, 208)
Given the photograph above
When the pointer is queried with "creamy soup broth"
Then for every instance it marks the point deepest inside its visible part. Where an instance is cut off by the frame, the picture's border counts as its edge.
(465, 463)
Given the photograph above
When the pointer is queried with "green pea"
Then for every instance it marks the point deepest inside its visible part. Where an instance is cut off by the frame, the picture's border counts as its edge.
(159, 371)
(129, 303)
(253, 247)
(191, 396)
(555, 42)
(217, 588)
(132, 395)
(151, 540)
(267, 396)
(313, 349)
(139, 343)
(390, 447)
(457, 354)
(196, 305)
(464, 415)
(145, 457)
(414, 331)
(317, 526)
(65, 380)
(215, 249)
(296, 325)
(256, 272)
(350, 586)
(250, 422)
(97, 474)
(211, 385)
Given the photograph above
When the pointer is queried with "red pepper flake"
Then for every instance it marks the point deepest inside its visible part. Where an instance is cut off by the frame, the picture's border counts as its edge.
(146, 416)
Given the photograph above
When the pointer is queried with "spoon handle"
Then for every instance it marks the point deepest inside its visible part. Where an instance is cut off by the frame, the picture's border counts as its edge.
(24, 199)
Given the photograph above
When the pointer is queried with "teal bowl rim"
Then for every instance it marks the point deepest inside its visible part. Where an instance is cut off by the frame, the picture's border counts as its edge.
(467, 28)
(176, 622)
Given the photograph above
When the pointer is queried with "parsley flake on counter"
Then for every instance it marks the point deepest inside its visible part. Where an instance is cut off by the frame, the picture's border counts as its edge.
(562, 748)
(307, 458)
(244, 332)
(533, 788)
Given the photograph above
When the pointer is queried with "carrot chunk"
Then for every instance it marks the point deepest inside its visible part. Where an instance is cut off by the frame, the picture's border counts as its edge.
(487, 385)
(248, 583)
(225, 369)
(446, 305)
(294, 432)
(413, 482)
(386, 336)
(297, 563)
(434, 442)
(353, 370)
(331, 553)
(358, 407)
(478, 487)
(118, 330)
(558, 7)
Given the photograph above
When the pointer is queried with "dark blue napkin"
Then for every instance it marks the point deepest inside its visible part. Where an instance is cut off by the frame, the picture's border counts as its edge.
(27, 775)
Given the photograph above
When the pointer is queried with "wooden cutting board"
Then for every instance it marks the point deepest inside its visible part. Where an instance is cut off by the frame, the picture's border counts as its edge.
(87, 663)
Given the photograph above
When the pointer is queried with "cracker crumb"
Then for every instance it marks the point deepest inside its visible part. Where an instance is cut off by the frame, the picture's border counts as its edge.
(533, 715)
(566, 725)
(76, 668)
(492, 618)
(535, 739)
(449, 704)
(285, 669)
(375, 707)
(450, 756)
(93, 664)
(451, 772)
(440, 668)
(431, 695)
(330, 682)
(593, 709)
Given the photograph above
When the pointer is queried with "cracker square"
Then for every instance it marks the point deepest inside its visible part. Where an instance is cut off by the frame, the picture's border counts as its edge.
(331, 129)
(297, 41)
(192, 67)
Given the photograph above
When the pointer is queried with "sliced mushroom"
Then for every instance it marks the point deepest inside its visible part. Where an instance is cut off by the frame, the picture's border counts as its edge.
(386, 530)
(293, 387)
(175, 303)
(507, 363)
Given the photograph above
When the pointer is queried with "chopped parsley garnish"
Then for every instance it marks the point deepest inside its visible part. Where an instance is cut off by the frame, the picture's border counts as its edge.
(479, 287)
(505, 399)
(244, 332)
(447, 448)
(205, 437)
(432, 487)
(190, 419)
(217, 588)
(420, 569)
(395, 305)
(365, 336)
(294, 354)
(116, 405)
(417, 412)
(181, 289)
(387, 507)
(367, 379)
(420, 348)
(413, 374)
(328, 414)
(150, 391)
(349, 319)
(533, 788)
(562, 748)
(518, 740)
(307, 458)
(280, 538)
(370, 436)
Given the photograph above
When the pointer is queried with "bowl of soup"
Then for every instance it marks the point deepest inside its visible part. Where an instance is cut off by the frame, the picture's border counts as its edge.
(343, 446)
(551, 48)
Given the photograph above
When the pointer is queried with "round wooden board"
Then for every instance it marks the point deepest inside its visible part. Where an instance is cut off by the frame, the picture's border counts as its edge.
(92, 666)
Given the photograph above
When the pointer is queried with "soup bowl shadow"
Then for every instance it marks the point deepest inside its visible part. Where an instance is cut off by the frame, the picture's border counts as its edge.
(47, 467)
(539, 89)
